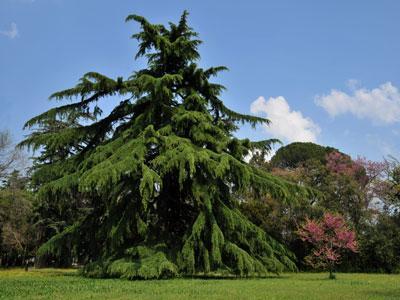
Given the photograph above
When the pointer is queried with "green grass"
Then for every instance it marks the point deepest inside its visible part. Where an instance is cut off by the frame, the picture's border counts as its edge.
(66, 284)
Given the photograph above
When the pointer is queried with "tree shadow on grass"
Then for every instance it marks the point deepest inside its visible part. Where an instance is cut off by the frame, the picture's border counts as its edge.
(233, 277)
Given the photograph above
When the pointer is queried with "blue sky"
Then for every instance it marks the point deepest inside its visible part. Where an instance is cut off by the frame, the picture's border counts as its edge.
(323, 71)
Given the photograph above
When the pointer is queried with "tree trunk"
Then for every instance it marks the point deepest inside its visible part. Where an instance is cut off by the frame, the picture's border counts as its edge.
(332, 272)
(25, 261)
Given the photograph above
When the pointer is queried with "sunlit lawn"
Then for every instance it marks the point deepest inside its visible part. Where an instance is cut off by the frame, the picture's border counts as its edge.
(66, 284)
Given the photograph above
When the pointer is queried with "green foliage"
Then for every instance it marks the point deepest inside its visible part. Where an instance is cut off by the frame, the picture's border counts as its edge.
(345, 186)
(292, 155)
(162, 168)
(281, 220)
(16, 228)
(59, 241)
(379, 246)
(139, 262)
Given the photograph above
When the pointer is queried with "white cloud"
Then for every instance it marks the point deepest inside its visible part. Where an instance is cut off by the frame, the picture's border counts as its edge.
(12, 33)
(287, 124)
(381, 105)
(353, 84)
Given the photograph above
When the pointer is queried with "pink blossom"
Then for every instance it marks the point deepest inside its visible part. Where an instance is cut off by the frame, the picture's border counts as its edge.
(311, 232)
(330, 236)
(343, 164)
(331, 254)
(332, 221)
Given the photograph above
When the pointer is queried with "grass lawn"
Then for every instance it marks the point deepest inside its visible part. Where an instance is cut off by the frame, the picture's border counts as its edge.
(66, 284)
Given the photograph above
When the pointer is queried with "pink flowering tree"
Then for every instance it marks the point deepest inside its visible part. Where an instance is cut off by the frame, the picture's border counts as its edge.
(342, 164)
(330, 236)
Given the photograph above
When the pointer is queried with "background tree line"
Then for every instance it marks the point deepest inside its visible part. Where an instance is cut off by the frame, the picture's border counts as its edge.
(366, 193)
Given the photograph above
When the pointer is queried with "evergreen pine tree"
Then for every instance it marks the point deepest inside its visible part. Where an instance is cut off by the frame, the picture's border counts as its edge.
(160, 175)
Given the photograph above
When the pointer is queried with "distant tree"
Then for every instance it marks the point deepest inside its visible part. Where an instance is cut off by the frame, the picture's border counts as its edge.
(16, 229)
(365, 192)
(379, 237)
(281, 220)
(330, 237)
(379, 245)
(390, 191)
(339, 187)
(8, 154)
(259, 161)
(374, 177)
(15, 206)
(158, 177)
(294, 154)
